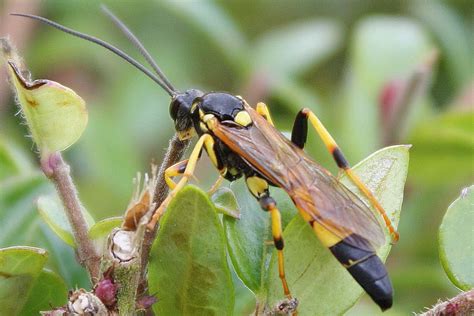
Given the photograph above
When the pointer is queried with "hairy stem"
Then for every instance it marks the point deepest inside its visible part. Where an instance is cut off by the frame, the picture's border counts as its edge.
(58, 171)
(462, 304)
(174, 153)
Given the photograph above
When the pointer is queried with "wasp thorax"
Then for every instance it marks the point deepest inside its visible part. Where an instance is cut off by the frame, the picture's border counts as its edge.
(224, 106)
(180, 111)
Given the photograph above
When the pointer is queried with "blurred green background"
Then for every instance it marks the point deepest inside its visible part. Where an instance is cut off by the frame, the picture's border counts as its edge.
(349, 61)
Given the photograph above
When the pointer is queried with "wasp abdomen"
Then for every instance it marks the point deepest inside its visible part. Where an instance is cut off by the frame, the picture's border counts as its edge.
(368, 270)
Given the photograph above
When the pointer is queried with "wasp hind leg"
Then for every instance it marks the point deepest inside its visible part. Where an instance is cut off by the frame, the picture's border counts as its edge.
(259, 188)
(298, 137)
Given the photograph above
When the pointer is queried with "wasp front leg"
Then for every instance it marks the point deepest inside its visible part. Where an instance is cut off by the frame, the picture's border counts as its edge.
(299, 136)
(173, 171)
(205, 140)
(259, 188)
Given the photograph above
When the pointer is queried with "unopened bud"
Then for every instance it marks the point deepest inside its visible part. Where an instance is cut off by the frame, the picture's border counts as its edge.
(106, 291)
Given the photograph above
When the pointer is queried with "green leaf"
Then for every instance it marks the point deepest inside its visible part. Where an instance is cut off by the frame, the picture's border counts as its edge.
(19, 269)
(188, 268)
(16, 206)
(18, 214)
(249, 238)
(453, 37)
(214, 23)
(56, 115)
(383, 48)
(320, 283)
(12, 160)
(456, 245)
(52, 212)
(315, 40)
(226, 203)
(48, 291)
(445, 144)
(102, 228)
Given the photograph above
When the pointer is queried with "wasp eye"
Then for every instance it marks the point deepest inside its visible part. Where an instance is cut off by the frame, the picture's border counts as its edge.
(174, 108)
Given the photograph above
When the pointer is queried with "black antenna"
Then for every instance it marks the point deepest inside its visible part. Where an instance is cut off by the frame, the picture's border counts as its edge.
(136, 42)
(172, 92)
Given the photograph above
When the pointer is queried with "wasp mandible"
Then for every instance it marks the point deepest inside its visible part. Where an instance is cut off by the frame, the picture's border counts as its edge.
(242, 141)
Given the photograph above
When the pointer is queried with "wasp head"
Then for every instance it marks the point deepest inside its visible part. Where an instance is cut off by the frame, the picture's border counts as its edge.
(180, 111)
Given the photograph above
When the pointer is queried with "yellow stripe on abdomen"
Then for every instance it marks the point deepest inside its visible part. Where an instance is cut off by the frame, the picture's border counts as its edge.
(327, 238)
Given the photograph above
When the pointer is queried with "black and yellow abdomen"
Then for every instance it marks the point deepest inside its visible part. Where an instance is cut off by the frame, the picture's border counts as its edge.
(362, 263)
(367, 269)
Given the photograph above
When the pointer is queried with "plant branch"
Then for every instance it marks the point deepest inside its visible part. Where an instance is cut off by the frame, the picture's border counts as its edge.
(58, 171)
(462, 304)
(174, 153)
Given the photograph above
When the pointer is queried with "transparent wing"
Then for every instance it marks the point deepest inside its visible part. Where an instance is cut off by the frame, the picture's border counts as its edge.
(313, 189)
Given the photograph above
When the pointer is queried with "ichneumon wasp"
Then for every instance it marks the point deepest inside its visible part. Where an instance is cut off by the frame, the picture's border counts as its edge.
(242, 142)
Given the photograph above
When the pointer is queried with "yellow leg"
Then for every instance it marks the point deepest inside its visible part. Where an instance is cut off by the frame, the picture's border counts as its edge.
(262, 109)
(342, 163)
(216, 185)
(204, 140)
(279, 244)
(173, 171)
(259, 188)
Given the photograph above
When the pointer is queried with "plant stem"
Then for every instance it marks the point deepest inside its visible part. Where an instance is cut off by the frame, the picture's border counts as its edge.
(174, 153)
(58, 171)
(462, 304)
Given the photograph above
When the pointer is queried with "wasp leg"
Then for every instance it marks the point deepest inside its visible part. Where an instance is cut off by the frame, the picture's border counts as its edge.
(173, 171)
(262, 109)
(299, 136)
(216, 185)
(179, 168)
(259, 188)
(205, 140)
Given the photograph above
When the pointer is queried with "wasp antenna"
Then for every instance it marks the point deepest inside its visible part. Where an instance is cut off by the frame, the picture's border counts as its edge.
(136, 42)
(104, 44)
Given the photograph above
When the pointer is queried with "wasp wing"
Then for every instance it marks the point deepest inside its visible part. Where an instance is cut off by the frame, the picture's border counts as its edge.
(312, 188)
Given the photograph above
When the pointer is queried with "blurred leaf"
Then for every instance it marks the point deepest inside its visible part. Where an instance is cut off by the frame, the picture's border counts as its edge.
(49, 290)
(102, 228)
(62, 258)
(226, 203)
(249, 238)
(456, 245)
(16, 206)
(12, 160)
(452, 35)
(52, 212)
(56, 115)
(383, 48)
(295, 48)
(295, 96)
(246, 238)
(213, 22)
(21, 225)
(320, 283)
(445, 145)
(188, 268)
(19, 269)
